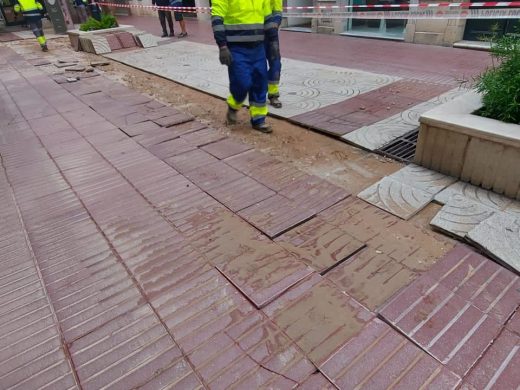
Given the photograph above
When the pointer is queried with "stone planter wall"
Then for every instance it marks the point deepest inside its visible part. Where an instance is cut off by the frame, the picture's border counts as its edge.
(481, 151)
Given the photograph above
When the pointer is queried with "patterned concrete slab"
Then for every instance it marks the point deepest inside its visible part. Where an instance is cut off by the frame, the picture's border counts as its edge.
(395, 197)
(380, 358)
(307, 86)
(147, 40)
(100, 44)
(475, 194)
(460, 215)
(499, 236)
(381, 133)
(424, 179)
(442, 323)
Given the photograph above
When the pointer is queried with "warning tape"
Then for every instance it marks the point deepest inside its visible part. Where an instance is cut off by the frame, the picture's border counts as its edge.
(465, 10)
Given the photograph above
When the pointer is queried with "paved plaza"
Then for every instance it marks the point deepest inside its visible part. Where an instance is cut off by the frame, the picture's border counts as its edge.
(142, 248)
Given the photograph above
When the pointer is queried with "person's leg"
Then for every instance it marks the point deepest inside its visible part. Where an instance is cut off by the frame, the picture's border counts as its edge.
(162, 20)
(37, 28)
(180, 18)
(273, 75)
(82, 12)
(170, 22)
(258, 90)
(239, 80)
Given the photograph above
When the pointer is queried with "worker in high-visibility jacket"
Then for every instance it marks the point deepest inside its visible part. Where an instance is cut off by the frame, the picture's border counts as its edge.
(273, 55)
(32, 12)
(240, 28)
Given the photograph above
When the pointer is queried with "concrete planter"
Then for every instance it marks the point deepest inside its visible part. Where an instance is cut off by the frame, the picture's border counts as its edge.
(484, 152)
(74, 35)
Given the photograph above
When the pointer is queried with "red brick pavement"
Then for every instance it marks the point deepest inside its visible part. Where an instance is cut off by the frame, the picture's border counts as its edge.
(125, 265)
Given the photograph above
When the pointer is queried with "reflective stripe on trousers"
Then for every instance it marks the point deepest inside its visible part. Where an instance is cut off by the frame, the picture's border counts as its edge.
(248, 76)
(273, 75)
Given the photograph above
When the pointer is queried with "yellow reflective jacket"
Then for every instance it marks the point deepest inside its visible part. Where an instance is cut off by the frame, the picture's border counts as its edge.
(276, 6)
(239, 21)
(28, 7)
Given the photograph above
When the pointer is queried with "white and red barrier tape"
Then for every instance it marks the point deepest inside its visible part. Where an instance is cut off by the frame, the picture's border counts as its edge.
(463, 10)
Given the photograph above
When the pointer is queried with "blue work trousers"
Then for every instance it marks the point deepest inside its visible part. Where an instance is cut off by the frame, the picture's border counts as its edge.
(248, 76)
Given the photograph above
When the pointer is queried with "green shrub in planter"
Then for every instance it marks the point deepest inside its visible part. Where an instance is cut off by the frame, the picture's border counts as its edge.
(500, 85)
(107, 21)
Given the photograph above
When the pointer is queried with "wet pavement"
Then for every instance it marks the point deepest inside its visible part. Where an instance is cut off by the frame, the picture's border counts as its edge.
(142, 249)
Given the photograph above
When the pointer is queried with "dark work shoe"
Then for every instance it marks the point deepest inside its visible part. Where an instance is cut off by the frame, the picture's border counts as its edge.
(183, 35)
(275, 102)
(164, 35)
(45, 48)
(263, 128)
(172, 34)
(231, 116)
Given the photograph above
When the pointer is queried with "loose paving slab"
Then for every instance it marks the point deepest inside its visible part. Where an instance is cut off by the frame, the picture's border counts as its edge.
(319, 244)
(424, 179)
(499, 236)
(381, 358)
(276, 215)
(498, 368)
(318, 317)
(371, 277)
(460, 215)
(395, 197)
(441, 311)
(475, 194)
(488, 286)
(226, 148)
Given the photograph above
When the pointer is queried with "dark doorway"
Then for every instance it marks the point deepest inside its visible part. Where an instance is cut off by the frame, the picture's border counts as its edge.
(7, 9)
(484, 29)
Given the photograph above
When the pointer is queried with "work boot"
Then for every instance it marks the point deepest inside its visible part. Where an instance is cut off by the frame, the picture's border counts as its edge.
(263, 128)
(45, 48)
(275, 102)
(172, 34)
(231, 116)
(164, 34)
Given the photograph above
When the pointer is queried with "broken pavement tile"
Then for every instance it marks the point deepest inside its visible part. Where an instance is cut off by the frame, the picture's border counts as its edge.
(255, 343)
(499, 236)
(460, 215)
(397, 198)
(422, 178)
(276, 215)
(319, 244)
(241, 193)
(442, 323)
(488, 286)
(315, 193)
(318, 317)
(264, 273)
(226, 148)
(473, 193)
(380, 358)
(371, 277)
(498, 368)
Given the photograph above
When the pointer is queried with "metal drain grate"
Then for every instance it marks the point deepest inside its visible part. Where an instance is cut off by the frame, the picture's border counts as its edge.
(402, 148)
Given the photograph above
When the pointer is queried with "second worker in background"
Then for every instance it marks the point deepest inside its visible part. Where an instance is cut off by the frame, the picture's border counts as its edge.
(272, 50)
(241, 29)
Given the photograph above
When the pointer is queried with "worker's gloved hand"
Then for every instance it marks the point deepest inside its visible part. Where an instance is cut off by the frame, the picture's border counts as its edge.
(274, 50)
(225, 56)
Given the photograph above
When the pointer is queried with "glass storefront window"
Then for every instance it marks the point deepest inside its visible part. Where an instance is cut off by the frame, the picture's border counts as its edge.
(380, 28)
